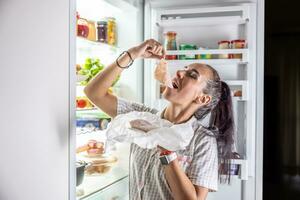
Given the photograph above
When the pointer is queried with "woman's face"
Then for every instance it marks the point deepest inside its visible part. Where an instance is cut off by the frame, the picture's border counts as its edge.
(188, 84)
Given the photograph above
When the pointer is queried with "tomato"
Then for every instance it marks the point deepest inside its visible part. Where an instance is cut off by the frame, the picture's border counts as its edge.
(81, 103)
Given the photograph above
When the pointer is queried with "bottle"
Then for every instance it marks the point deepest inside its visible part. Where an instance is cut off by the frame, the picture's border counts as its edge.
(102, 31)
(170, 44)
(92, 31)
(111, 31)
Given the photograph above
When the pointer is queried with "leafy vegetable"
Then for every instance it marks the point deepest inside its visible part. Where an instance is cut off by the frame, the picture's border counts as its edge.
(91, 68)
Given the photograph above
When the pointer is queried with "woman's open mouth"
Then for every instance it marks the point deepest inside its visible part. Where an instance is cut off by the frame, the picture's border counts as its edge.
(175, 86)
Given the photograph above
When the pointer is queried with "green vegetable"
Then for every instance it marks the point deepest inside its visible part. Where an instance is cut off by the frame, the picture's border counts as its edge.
(91, 68)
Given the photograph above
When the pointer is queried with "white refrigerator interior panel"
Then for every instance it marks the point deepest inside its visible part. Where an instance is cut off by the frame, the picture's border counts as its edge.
(34, 81)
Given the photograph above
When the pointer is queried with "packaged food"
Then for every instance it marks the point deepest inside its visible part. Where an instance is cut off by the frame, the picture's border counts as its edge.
(237, 93)
(92, 31)
(111, 31)
(170, 44)
(203, 56)
(224, 44)
(238, 44)
(187, 47)
(102, 31)
(82, 27)
(101, 166)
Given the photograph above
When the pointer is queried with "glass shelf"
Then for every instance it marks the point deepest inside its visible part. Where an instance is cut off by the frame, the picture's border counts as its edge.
(96, 183)
(85, 44)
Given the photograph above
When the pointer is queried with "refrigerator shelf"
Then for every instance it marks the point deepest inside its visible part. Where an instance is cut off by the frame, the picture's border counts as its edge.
(241, 84)
(202, 21)
(207, 61)
(85, 44)
(208, 51)
(243, 167)
(243, 52)
(88, 109)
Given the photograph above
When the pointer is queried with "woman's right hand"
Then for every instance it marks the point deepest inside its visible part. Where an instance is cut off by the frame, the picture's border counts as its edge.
(148, 49)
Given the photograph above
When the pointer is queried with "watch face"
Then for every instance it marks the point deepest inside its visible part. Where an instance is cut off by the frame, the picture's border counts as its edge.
(164, 160)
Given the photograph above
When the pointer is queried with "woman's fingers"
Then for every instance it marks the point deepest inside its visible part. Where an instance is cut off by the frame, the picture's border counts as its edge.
(149, 49)
(155, 48)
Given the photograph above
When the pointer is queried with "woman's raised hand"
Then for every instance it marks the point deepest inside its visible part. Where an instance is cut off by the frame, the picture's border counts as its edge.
(148, 49)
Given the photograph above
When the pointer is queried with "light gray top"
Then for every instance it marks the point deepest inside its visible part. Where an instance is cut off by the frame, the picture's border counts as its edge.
(199, 161)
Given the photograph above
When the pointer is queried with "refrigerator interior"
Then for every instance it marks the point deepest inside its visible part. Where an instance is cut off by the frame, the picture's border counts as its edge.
(106, 181)
(204, 26)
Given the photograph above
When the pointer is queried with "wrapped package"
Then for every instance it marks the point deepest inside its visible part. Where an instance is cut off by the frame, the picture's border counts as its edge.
(148, 130)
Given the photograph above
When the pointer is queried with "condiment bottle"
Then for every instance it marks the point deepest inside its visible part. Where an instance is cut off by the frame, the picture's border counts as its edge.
(111, 31)
(82, 27)
(102, 31)
(170, 44)
(238, 44)
(92, 31)
(224, 44)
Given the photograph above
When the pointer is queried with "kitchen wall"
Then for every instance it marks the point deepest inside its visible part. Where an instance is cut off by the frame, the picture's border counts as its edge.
(34, 91)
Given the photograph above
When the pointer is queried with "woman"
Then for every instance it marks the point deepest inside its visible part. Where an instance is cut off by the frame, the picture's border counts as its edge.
(198, 95)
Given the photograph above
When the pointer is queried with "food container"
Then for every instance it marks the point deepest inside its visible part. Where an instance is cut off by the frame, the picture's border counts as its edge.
(101, 165)
(92, 123)
(238, 44)
(102, 31)
(92, 31)
(111, 31)
(80, 167)
(203, 56)
(82, 27)
(224, 44)
(187, 47)
(170, 44)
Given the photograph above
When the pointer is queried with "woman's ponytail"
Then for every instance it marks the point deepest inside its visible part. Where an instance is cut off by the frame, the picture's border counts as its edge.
(223, 120)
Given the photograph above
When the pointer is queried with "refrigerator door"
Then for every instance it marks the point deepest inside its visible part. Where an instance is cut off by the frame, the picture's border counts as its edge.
(203, 24)
(36, 113)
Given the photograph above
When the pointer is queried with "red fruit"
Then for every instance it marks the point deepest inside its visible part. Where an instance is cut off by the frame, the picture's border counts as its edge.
(81, 103)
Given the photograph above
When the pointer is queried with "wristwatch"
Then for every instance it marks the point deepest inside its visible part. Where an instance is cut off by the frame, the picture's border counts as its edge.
(167, 157)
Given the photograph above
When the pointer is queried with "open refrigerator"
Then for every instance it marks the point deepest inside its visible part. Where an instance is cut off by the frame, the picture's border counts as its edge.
(202, 26)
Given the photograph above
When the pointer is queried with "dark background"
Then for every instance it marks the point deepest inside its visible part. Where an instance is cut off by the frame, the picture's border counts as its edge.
(281, 178)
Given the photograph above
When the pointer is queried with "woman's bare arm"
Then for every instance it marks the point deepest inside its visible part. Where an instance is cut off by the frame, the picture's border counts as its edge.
(180, 184)
(97, 89)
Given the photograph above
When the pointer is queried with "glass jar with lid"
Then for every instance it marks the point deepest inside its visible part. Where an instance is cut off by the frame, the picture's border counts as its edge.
(111, 31)
(92, 31)
(82, 27)
(170, 44)
(102, 31)
(224, 44)
(238, 44)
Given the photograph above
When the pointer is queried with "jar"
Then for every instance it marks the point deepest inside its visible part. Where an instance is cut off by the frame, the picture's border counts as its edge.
(102, 31)
(92, 31)
(187, 47)
(111, 31)
(224, 44)
(170, 44)
(82, 27)
(238, 44)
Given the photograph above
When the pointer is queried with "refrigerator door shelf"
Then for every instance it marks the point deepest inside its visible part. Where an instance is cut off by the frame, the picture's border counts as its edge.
(204, 16)
(207, 61)
(202, 21)
(243, 168)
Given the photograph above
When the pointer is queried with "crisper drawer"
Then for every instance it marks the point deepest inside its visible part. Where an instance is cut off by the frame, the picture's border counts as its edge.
(117, 191)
